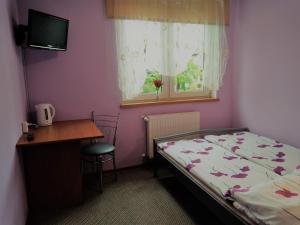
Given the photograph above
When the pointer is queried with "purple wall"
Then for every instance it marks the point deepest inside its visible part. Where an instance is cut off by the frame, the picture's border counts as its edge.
(263, 92)
(266, 59)
(13, 208)
(84, 77)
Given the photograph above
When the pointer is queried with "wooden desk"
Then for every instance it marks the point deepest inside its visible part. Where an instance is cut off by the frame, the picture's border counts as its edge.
(52, 163)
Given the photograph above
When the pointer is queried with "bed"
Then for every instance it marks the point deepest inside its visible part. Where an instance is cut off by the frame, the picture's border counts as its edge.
(218, 171)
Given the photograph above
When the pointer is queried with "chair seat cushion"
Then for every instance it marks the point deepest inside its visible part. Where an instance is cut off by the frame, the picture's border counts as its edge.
(98, 149)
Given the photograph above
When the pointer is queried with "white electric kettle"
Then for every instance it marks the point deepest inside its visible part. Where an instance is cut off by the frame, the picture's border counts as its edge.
(45, 114)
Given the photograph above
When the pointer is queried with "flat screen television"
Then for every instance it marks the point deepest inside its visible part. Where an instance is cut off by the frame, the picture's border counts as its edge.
(46, 31)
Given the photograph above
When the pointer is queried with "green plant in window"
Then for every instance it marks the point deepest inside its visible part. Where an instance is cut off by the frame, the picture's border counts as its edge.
(190, 79)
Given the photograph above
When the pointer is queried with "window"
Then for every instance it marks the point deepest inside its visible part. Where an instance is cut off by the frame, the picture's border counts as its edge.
(182, 42)
(172, 52)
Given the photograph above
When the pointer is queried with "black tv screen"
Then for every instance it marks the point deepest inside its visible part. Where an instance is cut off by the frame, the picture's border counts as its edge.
(47, 31)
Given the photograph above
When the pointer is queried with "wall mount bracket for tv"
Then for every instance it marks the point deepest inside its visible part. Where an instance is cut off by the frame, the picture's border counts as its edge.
(21, 34)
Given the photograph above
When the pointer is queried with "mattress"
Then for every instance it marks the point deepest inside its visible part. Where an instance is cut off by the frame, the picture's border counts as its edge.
(218, 168)
(273, 155)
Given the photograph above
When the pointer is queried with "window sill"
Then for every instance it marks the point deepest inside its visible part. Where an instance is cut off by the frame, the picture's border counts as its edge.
(165, 101)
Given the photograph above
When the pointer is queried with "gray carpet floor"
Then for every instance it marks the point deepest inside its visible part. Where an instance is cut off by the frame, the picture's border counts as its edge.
(135, 199)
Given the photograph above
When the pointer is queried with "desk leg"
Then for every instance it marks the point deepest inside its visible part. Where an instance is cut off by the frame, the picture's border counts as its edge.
(53, 177)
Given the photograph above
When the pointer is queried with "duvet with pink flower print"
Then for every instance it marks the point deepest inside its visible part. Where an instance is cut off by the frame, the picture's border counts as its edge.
(220, 169)
(276, 202)
(278, 157)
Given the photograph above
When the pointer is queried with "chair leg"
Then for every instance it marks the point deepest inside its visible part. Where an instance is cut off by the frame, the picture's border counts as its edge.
(115, 168)
(99, 172)
(82, 167)
(155, 166)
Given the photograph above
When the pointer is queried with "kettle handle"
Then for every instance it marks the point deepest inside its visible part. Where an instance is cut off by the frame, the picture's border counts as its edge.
(52, 110)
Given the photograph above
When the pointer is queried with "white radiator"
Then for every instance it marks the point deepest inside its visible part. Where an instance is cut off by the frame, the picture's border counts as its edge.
(167, 124)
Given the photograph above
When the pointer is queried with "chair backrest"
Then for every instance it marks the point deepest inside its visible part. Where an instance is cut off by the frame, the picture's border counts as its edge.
(108, 124)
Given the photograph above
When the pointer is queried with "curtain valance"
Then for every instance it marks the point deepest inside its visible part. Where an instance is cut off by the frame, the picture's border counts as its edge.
(181, 11)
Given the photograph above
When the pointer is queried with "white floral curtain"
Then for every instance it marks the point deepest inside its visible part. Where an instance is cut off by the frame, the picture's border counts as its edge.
(216, 50)
(154, 46)
(139, 48)
(167, 47)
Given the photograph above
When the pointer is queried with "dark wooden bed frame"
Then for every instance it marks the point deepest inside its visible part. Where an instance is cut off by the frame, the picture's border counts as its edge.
(223, 209)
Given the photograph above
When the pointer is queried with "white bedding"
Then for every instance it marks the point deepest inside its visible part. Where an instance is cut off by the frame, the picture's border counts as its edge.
(276, 156)
(220, 169)
(276, 202)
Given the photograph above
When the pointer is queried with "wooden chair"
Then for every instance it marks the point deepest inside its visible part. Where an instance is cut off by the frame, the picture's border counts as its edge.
(102, 150)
